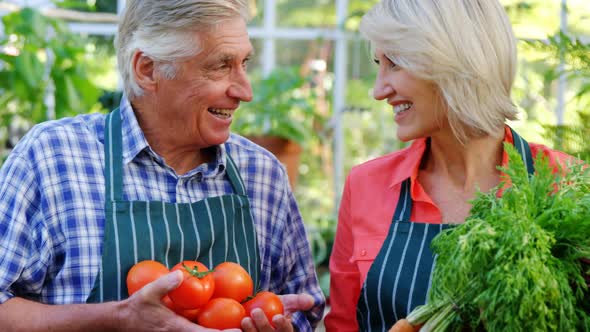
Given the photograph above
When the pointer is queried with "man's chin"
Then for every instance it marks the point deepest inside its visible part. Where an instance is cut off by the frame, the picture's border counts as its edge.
(218, 139)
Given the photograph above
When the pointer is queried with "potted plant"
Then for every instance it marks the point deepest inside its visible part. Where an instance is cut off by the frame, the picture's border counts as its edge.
(280, 116)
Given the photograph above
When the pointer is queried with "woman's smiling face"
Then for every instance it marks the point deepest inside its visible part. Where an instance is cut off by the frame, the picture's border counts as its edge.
(417, 103)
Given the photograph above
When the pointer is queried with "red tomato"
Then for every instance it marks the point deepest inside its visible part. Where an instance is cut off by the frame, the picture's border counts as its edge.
(143, 273)
(269, 302)
(232, 281)
(168, 303)
(196, 288)
(190, 314)
(221, 313)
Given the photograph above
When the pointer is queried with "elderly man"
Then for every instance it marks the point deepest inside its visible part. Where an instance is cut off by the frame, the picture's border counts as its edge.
(161, 177)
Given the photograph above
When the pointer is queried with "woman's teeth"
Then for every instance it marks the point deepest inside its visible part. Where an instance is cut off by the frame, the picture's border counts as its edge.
(221, 113)
(401, 108)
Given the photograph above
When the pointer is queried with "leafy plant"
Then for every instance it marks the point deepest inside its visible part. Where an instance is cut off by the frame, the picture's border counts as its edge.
(571, 138)
(109, 6)
(281, 106)
(42, 63)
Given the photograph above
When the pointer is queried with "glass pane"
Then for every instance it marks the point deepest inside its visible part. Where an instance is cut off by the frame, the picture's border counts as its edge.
(533, 19)
(306, 13)
(579, 17)
(257, 12)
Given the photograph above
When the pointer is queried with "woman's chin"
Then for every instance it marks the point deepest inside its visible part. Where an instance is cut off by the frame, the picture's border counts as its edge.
(405, 137)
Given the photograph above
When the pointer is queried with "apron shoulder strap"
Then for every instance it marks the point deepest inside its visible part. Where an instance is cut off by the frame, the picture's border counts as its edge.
(403, 210)
(113, 154)
(234, 176)
(524, 150)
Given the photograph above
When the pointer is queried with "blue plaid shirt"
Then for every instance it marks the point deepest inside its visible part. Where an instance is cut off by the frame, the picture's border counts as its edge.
(52, 209)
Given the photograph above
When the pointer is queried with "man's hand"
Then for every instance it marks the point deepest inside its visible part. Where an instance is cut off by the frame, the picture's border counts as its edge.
(144, 310)
(291, 303)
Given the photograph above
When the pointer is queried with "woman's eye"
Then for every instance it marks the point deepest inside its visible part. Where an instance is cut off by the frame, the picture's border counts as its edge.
(391, 63)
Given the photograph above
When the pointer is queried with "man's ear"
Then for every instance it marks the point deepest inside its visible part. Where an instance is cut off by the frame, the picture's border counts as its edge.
(144, 71)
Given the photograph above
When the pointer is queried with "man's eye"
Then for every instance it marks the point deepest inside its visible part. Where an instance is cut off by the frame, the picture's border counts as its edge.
(375, 60)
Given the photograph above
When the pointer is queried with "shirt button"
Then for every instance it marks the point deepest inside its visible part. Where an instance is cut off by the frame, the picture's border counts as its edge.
(363, 252)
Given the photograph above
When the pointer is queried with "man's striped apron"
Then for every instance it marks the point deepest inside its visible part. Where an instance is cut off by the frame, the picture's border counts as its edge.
(212, 230)
(399, 278)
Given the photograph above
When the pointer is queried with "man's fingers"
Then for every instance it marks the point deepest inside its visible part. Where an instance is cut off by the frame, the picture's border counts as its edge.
(282, 323)
(161, 286)
(248, 325)
(296, 302)
(257, 322)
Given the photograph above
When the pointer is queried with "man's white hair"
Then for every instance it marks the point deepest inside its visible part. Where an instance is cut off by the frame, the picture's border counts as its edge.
(165, 32)
(466, 47)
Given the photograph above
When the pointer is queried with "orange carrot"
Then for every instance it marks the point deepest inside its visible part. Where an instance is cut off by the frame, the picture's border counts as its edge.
(403, 325)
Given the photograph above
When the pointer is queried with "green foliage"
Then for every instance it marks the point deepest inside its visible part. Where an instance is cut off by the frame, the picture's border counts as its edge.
(571, 138)
(107, 6)
(41, 54)
(281, 106)
(514, 264)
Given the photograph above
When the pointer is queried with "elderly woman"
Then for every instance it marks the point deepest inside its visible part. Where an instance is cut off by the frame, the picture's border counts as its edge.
(446, 68)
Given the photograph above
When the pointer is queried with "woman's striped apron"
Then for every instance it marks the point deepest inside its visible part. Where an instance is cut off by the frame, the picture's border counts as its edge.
(212, 230)
(399, 278)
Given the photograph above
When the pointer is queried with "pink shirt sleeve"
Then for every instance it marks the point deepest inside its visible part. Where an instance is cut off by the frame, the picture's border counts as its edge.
(344, 275)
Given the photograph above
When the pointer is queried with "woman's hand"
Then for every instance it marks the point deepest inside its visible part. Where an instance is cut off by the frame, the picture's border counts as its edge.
(291, 303)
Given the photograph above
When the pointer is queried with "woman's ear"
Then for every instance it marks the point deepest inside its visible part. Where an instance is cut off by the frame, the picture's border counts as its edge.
(144, 71)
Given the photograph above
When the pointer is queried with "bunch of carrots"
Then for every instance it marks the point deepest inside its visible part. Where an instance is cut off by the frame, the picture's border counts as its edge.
(516, 262)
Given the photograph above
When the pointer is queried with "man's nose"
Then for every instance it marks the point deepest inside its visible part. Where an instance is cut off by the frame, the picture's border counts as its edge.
(241, 88)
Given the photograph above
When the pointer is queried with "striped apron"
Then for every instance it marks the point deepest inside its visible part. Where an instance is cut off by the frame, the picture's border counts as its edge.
(212, 230)
(399, 278)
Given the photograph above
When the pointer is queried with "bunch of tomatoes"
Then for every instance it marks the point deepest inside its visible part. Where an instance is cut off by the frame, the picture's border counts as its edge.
(219, 298)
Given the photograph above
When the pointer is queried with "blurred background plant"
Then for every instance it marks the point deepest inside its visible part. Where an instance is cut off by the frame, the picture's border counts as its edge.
(44, 74)
(570, 137)
(282, 106)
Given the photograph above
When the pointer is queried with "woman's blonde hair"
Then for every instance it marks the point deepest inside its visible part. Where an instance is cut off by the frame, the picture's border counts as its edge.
(466, 47)
(164, 31)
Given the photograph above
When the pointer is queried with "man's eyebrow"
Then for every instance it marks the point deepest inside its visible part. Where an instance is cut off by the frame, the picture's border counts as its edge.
(226, 57)
(229, 57)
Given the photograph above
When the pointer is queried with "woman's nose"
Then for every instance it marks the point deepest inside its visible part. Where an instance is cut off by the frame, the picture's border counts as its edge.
(383, 87)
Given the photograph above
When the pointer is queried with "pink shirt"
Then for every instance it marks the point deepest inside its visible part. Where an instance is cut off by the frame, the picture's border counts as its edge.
(366, 210)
